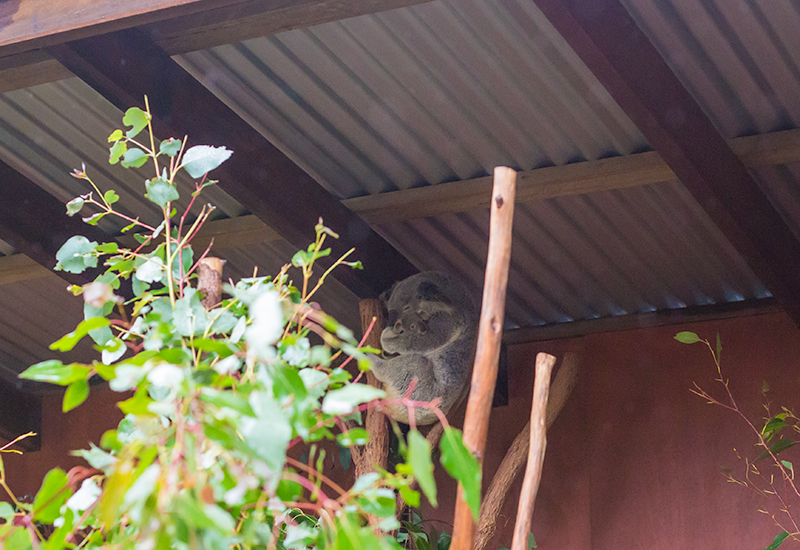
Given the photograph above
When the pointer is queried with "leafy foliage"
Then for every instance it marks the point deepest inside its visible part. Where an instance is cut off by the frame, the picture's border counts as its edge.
(219, 396)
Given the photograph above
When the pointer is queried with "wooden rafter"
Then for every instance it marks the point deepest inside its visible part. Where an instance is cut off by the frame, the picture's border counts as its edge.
(35, 223)
(560, 181)
(258, 175)
(626, 63)
(178, 26)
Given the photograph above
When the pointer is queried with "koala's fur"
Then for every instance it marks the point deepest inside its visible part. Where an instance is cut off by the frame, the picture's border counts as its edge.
(432, 327)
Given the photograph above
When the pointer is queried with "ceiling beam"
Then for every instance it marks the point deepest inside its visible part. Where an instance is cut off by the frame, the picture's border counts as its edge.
(229, 232)
(637, 321)
(35, 223)
(607, 39)
(559, 181)
(178, 26)
(126, 65)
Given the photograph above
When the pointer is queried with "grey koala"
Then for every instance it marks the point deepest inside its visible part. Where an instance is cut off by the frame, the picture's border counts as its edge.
(432, 328)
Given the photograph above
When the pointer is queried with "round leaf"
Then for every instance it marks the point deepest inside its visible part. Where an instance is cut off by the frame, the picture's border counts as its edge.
(75, 255)
(136, 119)
(161, 192)
(201, 159)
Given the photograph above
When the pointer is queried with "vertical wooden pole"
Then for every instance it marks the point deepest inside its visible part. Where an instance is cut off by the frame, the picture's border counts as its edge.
(376, 450)
(209, 273)
(533, 471)
(490, 332)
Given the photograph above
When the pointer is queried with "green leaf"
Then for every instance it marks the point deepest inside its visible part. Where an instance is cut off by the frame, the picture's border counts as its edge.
(356, 436)
(531, 541)
(116, 151)
(418, 456)
(116, 135)
(95, 218)
(170, 147)
(190, 316)
(161, 192)
(777, 447)
(51, 496)
(344, 400)
(462, 466)
(136, 119)
(687, 337)
(56, 372)
(76, 393)
(151, 271)
(74, 206)
(269, 433)
(111, 196)
(6, 511)
(227, 399)
(788, 465)
(777, 541)
(134, 158)
(201, 159)
(96, 457)
(75, 255)
(69, 340)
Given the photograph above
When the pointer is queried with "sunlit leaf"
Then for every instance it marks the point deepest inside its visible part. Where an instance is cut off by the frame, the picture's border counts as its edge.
(56, 372)
(116, 135)
(344, 400)
(51, 496)
(355, 436)
(74, 206)
(170, 147)
(134, 158)
(116, 151)
(75, 255)
(76, 393)
(69, 340)
(136, 119)
(201, 159)
(161, 192)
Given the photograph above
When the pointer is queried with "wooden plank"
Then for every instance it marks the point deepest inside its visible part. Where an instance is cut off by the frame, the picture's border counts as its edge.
(559, 181)
(19, 267)
(258, 175)
(620, 323)
(28, 27)
(20, 413)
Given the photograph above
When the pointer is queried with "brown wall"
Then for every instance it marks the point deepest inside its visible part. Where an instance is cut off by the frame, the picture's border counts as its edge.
(632, 462)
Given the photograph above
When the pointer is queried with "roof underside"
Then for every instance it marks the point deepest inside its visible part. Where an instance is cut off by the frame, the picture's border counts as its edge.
(443, 92)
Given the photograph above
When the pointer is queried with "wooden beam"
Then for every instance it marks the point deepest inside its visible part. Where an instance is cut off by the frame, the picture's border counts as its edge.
(683, 316)
(178, 26)
(125, 66)
(20, 413)
(35, 223)
(559, 181)
(229, 232)
(607, 39)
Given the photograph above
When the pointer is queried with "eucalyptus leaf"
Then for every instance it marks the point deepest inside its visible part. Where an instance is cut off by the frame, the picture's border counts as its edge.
(53, 493)
(463, 467)
(344, 400)
(687, 337)
(56, 372)
(136, 119)
(69, 340)
(170, 147)
(134, 158)
(76, 393)
(201, 159)
(74, 206)
(75, 255)
(161, 192)
(418, 456)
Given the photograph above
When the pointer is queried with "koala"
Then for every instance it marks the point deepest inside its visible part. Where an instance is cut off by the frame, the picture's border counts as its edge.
(431, 332)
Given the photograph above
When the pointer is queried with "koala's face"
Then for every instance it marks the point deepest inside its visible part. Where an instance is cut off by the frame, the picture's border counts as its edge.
(422, 316)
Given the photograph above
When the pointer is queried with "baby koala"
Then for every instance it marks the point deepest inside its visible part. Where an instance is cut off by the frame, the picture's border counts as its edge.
(431, 330)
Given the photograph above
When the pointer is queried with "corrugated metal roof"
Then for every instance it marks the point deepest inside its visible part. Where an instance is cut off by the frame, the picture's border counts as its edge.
(740, 59)
(437, 92)
(47, 131)
(596, 255)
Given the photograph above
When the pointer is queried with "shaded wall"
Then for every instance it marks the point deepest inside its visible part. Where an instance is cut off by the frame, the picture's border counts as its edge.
(634, 459)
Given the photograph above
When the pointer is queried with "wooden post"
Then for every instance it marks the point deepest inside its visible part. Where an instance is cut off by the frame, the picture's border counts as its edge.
(209, 273)
(376, 451)
(517, 454)
(533, 471)
(490, 332)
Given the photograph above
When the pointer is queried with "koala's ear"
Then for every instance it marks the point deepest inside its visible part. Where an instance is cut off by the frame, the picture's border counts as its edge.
(386, 294)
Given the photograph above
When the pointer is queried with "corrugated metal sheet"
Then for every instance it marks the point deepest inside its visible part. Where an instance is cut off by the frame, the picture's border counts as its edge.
(596, 255)
(437, 92)
(739, 58)
(47, 131)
